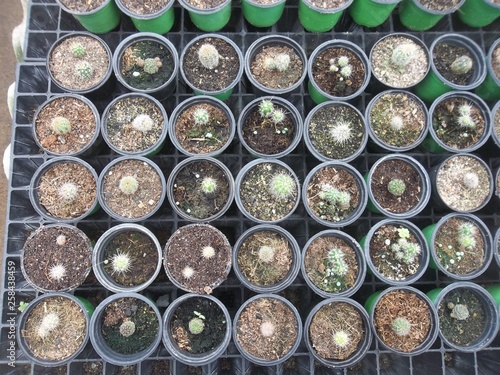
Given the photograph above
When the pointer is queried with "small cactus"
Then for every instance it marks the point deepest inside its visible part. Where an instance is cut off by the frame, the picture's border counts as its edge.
(128, 185)
(127, 328)
(143, 123)
(267, 329)
(60, 125)
(401, 326)
(280, 62)
(208, 56)
(336, 197)
(266, 254)
(57, 272)
(341, 338)
(460, 312)
(277, 116)
(151, 66)
(406, 251)
(465, 109)
(201, 116)
(336, 263)
(402, 54)
(466, 121)
(187, 272)
(196, 326)
(49, 323)
(343, 61)
(121, 263)
(396, 187)
(61, 240)
(282, 186)
(466, 234)
(396, 123)
(208, 252)
(346, 71)
(77, 49)
(471, 180)
(209, 185)
(84, 70)
(461, 65)
(67, 191)
(266, 108)
(341, 132)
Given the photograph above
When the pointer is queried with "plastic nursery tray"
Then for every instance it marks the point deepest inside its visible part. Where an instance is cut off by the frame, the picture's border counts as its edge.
(46, 24)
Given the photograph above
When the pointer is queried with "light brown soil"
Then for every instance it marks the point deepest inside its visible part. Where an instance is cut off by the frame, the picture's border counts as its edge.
(145, 6)
(82, 5)
(206, 4)
(495, 57)
(327, 4)
(441, 5)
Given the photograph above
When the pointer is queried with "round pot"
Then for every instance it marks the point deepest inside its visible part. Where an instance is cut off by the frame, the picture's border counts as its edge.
(261, 14)
(319, 19)
(210, 19)
(490, 88)
(269, 258)
(417, 17)
(495, 120)
(268, 127)
(159, 22)
(479, 13)
(496, 247)
(371, 13)
(100, 20)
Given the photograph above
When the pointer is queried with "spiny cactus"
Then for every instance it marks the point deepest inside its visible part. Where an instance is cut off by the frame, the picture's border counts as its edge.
(152, 65)
(143, 123)
(401, 326)
(466, 121)
(128, 185)
(341, 338)
(459, 312)
(84, 70)
(333, 196)
(267, 329)
(49, 322)
(67, 191)
(77, 49)
(465, 109)
(208, 252)
(266, 254)
(209, 185)
(121, 263)
(279, 62)
(201, 116)
(61, 240)
(406, 251)
(282, 186)
(346, 71)
(127, 328)
(461, 65)
(266, 108)
(341, 132)
(343, 61)
(471, 180)
(60, 125)
(57, 272)
(208, 56)
(396, 123)
(337, 266)
(466, 234)
(396, 187)
(196, 326)
(187, 272)
(277, 116)
(402, 54)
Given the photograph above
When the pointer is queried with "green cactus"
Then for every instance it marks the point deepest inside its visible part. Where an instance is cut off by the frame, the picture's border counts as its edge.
(127, 328)
(396, 187)
(466, 233)
(266, 108)
(151, 66)
(209, 185)
(84, 70)
(401, 326)
(466, 121)
(77, 49)
(128, 185)
(282, 186)
(60, 125)
(346, 71)
(343, 61)
(336, 265)
(197, 325)
(461, 65)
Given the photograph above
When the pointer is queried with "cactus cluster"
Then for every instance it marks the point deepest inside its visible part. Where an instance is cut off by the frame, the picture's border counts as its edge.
(282, 186)
(84, 70)
(401, 326)
(341, 65)
(49, 322)
(67, 191)
(279, 62)
(336, 265)
(335, 197)
(121, 263)
(57, 272)
(128, 185)
(143, 123)
(404, 250)
(268, 110)
(341, 132)
(201, 116)
(150, 65)
(396, 187)
(208, 56)
(127, 328)
(60, 125)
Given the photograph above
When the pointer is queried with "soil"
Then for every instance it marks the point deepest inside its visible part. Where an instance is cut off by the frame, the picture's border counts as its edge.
(495, 57)
(317, 265)
(384, 258)
(461, 332)
(395, 76)
(396, 169)
(61, 173)
(185, 249)
(136, 311)
(333, 82)
(264, 1)
(453, 191)
(444, 55)
(215, 325)
(92, 368)
(496, 123)
(440, 5)
(120, 130)
(189, 196)
(272, 78)
(144, 200)
(160, 367)
(447, 246)
(273, 314)
(81, 5)
(408, 305)
(327, 4)
(266, 137)
(145, 6)
(340, 179)
(324, 121)
(126, 370)
(62, 341)
(445, 121)
(143, 257)
(216, 79)
(202, 138)
(133, 57)
(63, 63)
(41, 252)
(256, 198)
(206, 4)
(265, 273)
(404, 106)
(83, 126)
(333, 318)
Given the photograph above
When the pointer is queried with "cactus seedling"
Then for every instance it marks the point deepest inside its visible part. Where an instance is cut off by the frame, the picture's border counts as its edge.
(201, 116)
(461, 65)
(466, 234)
(67, 191)
(77, 49)
(406, 251)
(84, 70)
(401, 326)
(267, 329)
(471, 180)
(121, 263)
(465, 109)
(208, 56)
(60, 125)
(187, 272)
(266, 254)
(49, 323)
(128, 185)
(278, 116)
(396, 187)
(127, 328)
(459, 312)
(343, 61)
(209, 185)
(196, 326)
(341, 132)
(208, 252)
(333, 196)
(336, 263)
(57, 272)
(282, 186)
(143, 123)
(341, 338)
(61, 240)
(396, 123)
(402, 54)
(466, 121)
(346, 71)
(266, 108)
(280, 62)
(151, 66)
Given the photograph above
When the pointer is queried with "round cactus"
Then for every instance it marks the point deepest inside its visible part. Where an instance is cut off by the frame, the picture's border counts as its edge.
(402, 54)
(282, 186)
(401, 326)
(151, 66)
(121, 263)
(77, 49)
(341, 132)
(208, 56)
(187, 272)
(61, 240)
(267, 329)
(60, 125)
(208, 252)
(128, 185)
(471, 180)
(127, 328)
(396, 187)
(461, 65)
(143, 123)
(396, 123)
(336, 265)
(341, 339)
(266, 108)
(346, 71)
(84, 70)
(266, 254)
(460, 312)
(68, 191)
(49, 322)
(209, 185)
(57, 272)
(343, 61)
(465, 109)
(466, 121)
(201, 116)
(196, 326)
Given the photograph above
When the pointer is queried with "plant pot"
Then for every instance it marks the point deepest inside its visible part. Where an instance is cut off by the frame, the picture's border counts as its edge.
(449, 72)
(399, 60)
(460, 246)
(275, 65)
(420, 15)
(67, 125)
(197, 258)
(200, 189)
(135, 124)
(270, 127)
(342, 80)
(125, 328)
(56, 258)
(64, 189)
(202, 125)
(335, 131)
(49, 320)
(131, 188)
(98, 19)
(496, 247)
(398, 187)
(196, 329)
(404, 320)
(495, 119)
(406, 116)
(274, 337)
(333, 264)
(315, 17)
(266, 259)
(490, 88)
(150, 16)
(337, 332)
(203, 69)
(79, 63)
(462, 183)
(459, 121)
(468, 316)
(262, 14)
(127, 258)
(267, 191)
(396, 252)
(334, 194)
(479, 13)
(371, 13)
(147, 63)
(209, 18)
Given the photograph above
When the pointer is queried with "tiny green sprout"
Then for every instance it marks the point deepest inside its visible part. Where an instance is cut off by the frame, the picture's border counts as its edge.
(77, 49)
(121, 263)
(128, 185)
(49, 323)
(22, 306)
(267, 329)
(201, 116)
(127, 328)
(84, 70)
(341, 339)
(151, 66)
(336, 263)
(209, 185)
(266, 108)
(465, 109)
(346, 71)
(460, 312)
(343, 61)
(341, 132)
(278, 115)
(208, 252)
(143, 123)
(57, 272)
(266, 254)
(67, 191)
(461, 65)
(401, 326)
(208, 56)
(282, 186)
(60, 125)
(187, 272)
(196, 326)
(470, 180)
(402, 54)
(396, 123)
(396, 187)
(403, 233)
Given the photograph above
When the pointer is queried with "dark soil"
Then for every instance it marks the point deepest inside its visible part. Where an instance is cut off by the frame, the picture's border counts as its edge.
(120, 130)
(57, 175)
(400, 303)
(327, 4)
(206, 4)
(82, 120)
(189, 196)
(215, 325)
(461, 332)
(145, 6)
(92, 368)
(160, 367)
(215, 79)
(185, 249)
(326, 119)
(82, 5)
(444, 55)
(136, 311)
(41, 252)
(332, 82)
(396, 169)
(440, 5)
(135, 75)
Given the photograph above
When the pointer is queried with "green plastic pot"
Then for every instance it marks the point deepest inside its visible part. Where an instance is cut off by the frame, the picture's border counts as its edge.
(212, 19)
(262, 14)
(490, 88)
(316, 19)
(372, 13)
(160, 22)
(416, 17)
(100, 20)
(478, 13)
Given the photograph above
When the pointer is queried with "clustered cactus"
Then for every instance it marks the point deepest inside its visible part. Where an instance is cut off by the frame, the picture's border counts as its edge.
(396, 187)
(208, 56)
(121, 263)
(279, 62)
(403, 54)
(461, 65)
(149, 65)
(341, 65)
(335, 198)
(401, 326)
(466, 234)
(143, 123)
(78, 49)
(127, 328)
(266, 254)
(57, 272)
(341, 132)
(465, 119)
(49, 323)
(268, 110)
(60, 125)
(404, 250)
(68, 191)
(209, 185)
(197, 324)
(128, 185)
(282, 186)
(336, 265)
(458, 311)
(84, 70)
